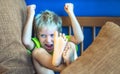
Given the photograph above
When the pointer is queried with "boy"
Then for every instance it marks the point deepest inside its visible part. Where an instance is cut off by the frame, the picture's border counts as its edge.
(50, 47)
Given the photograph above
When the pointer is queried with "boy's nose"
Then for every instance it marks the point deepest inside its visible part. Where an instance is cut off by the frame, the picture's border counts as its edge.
(49, 39)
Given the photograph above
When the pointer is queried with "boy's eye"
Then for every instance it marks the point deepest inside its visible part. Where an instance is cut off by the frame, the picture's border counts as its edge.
(52, 35)
(43, 35)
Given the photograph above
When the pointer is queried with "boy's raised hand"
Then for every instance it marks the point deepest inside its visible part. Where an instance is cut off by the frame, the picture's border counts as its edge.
(68, 7)
(31, 9)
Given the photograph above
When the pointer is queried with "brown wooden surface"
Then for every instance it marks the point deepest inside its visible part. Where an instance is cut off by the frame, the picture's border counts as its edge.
(91, 21)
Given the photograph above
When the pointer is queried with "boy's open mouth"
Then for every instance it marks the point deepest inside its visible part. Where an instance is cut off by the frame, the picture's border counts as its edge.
(49, 47)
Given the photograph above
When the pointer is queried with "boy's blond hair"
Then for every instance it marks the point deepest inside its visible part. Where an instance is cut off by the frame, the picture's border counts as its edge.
(45, 19)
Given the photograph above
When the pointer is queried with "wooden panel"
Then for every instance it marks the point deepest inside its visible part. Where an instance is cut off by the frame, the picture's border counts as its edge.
(91, 21)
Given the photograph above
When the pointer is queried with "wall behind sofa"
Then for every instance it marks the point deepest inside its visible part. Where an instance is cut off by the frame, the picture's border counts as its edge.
(82, 7)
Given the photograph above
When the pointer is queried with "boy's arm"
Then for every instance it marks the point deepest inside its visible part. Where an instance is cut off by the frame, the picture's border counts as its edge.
(46, 61)
(27, 31)
(78, 34)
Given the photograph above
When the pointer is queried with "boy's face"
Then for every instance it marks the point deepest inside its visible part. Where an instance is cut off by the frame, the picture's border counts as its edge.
(46, 37)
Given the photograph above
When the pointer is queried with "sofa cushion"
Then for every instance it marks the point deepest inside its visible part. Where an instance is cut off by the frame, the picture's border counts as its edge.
(13, 56)
(102, 56)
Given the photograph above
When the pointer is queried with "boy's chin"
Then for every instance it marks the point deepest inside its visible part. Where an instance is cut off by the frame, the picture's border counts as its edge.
(49, 50)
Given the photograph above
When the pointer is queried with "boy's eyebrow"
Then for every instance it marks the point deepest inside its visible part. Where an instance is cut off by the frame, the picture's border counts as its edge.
(39, 34)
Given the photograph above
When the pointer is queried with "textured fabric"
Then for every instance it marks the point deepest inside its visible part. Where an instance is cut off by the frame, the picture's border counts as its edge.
(102, 56)
(13, 56)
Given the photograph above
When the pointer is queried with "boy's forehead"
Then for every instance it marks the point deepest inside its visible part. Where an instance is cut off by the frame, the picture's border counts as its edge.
(50, 26)
(49, 29)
